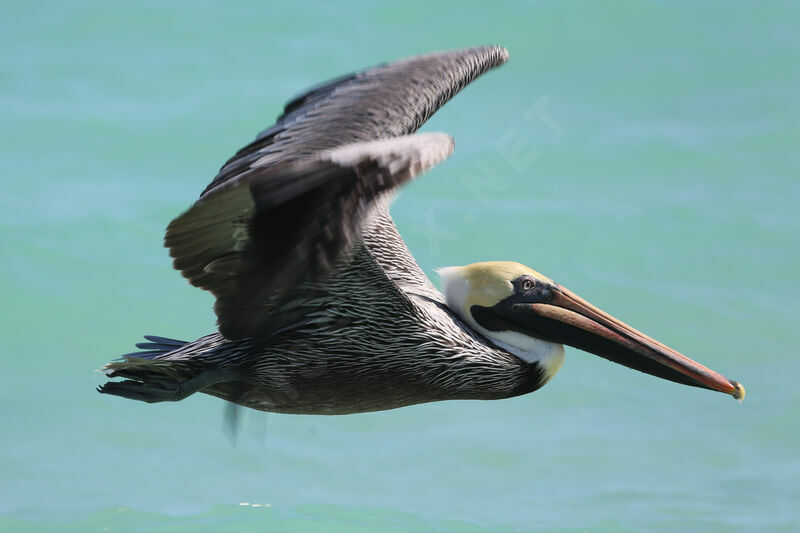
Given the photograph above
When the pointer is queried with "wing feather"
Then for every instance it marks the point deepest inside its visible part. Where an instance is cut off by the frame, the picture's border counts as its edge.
(290, 205)
(250, 239)
(384, 101)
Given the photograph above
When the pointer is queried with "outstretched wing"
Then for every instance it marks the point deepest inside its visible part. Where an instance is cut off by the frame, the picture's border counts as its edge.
(288, 206)
(381, 102)
(274, 227)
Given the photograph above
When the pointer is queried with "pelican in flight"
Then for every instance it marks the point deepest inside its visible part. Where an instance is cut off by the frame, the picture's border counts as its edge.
(322, 309)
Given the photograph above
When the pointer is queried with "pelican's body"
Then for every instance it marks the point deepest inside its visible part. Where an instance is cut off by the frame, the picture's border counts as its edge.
(322, 309)
(373, 354)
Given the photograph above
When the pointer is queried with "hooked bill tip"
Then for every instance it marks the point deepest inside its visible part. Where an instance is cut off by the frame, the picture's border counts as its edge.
(740, 392)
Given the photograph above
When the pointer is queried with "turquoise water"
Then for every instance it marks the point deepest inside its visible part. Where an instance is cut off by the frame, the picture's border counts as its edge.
(658, 179)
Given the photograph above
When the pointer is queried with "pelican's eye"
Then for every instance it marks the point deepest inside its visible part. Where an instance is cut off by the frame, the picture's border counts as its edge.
(527, 284)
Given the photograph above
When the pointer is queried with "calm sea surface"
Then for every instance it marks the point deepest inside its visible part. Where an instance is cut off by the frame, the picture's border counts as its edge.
(643, 154)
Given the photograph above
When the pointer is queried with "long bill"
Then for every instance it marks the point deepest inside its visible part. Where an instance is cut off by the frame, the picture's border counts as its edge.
(568, 319)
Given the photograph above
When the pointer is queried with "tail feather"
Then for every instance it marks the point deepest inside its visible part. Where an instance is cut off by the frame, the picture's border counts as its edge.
(145, 369)
(157, 346)
(165, 340)
(147, 366)
(166, 370)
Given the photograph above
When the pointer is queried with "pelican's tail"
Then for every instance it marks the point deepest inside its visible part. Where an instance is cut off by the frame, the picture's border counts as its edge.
(156, 374)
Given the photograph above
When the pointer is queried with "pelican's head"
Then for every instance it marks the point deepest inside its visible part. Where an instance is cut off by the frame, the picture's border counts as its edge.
(532, 317)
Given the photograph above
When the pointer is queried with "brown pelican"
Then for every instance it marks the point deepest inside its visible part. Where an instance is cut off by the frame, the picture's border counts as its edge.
(321, 307)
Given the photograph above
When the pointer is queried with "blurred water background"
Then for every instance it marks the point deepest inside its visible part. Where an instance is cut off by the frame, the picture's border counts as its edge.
(643, 154)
